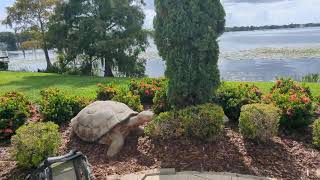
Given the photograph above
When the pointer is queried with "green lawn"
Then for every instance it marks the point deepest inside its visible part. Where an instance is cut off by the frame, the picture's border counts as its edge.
(31, 84)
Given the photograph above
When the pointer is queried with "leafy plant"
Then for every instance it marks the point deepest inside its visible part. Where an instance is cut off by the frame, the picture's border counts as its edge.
(233, 98)
(106, 92)
(147, 88)
(14, 112)
(186, 35)
(316, 133)
(58, 107)
(131, 100)
(204, 122)
(160, 101)
(35, 142)
(259, 121)
(294, 101)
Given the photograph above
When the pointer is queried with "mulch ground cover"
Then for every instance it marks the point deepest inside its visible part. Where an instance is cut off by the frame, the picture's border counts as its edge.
(288, 156)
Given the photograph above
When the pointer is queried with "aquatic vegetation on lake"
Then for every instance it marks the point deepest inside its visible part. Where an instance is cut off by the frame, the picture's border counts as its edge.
(273, 53)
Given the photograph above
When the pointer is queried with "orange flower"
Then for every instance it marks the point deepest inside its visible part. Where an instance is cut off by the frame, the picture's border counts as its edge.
(305, 100)
(293, 97)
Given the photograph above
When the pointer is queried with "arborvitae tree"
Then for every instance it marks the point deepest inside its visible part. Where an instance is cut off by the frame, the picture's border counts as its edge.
(186, 33)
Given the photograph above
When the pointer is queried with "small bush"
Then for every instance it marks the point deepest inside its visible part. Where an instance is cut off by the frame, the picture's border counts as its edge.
(35, 142)
(316, 133)
(160, 101)
(146, 88)
(294, 101)
(204, 122)
(14, 112)
(259, 121)
(233, 98)
(60, 108)
(126, 97)
(106, 92)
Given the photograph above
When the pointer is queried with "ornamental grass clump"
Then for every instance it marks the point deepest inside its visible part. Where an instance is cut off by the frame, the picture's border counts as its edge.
(259, 121)
(14, 112)
(316, 133)
(35, 142)
(204, 122)
(294, 101)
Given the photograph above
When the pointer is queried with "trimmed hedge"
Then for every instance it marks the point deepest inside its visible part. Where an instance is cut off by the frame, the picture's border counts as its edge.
(259, 121)
(204, 122)
(35, 142)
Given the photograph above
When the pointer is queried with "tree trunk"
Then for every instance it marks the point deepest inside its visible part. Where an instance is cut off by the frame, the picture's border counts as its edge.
(46, 53)
(107, 70)
(45, 46)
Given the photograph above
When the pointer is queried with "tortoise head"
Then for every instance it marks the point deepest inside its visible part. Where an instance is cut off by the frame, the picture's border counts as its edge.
(141, 118)
(145, 116)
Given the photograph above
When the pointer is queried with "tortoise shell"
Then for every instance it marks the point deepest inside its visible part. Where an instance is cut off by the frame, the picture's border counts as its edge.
(99, 118)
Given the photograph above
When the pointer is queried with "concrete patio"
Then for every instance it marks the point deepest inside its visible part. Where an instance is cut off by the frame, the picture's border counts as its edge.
(171, 174)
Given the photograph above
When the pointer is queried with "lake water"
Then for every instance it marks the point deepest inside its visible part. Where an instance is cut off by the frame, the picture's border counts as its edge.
(232, 44)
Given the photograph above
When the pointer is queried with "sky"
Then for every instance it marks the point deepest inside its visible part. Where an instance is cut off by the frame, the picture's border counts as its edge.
(243, 12)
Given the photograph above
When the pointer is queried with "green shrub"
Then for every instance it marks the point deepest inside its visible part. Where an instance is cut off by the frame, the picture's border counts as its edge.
(233, 98)
(35, 142)
(60, 108)
(147, 88)
(316, 133)
(259, 121)
(295, 102)
(106, 92)
(204, 122)
(14, 112)
(126, 97)
(160, 101)
(186, 35)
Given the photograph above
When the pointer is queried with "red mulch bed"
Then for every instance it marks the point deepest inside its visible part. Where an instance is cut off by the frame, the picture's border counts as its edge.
(285, 157)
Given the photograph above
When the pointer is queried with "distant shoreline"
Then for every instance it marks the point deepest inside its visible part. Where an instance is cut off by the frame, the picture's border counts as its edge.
(270, 27)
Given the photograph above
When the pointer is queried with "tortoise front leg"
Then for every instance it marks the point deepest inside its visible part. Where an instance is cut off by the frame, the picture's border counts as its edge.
(116, 144)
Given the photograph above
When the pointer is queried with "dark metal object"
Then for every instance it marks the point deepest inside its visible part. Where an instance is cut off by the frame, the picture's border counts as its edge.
(72, 166)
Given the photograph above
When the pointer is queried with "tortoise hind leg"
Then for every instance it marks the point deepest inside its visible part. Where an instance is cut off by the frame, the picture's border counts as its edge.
(116, 144)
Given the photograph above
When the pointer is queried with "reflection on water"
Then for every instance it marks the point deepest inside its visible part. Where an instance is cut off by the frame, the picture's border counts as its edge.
(231, 43)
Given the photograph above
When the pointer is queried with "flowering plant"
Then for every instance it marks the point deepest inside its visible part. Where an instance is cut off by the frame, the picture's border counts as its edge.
(146, 88)
(14, 111)
(233, 98)
(294, 100)
(106, 92)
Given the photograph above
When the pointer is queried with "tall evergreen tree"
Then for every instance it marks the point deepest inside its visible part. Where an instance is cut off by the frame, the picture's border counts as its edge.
(186, 33)
(109, 31)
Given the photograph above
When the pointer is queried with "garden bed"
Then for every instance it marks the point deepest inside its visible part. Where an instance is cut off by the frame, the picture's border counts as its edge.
(285, 157)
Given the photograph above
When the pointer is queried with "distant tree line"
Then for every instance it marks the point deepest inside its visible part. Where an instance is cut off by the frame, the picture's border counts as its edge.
(252, 28)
